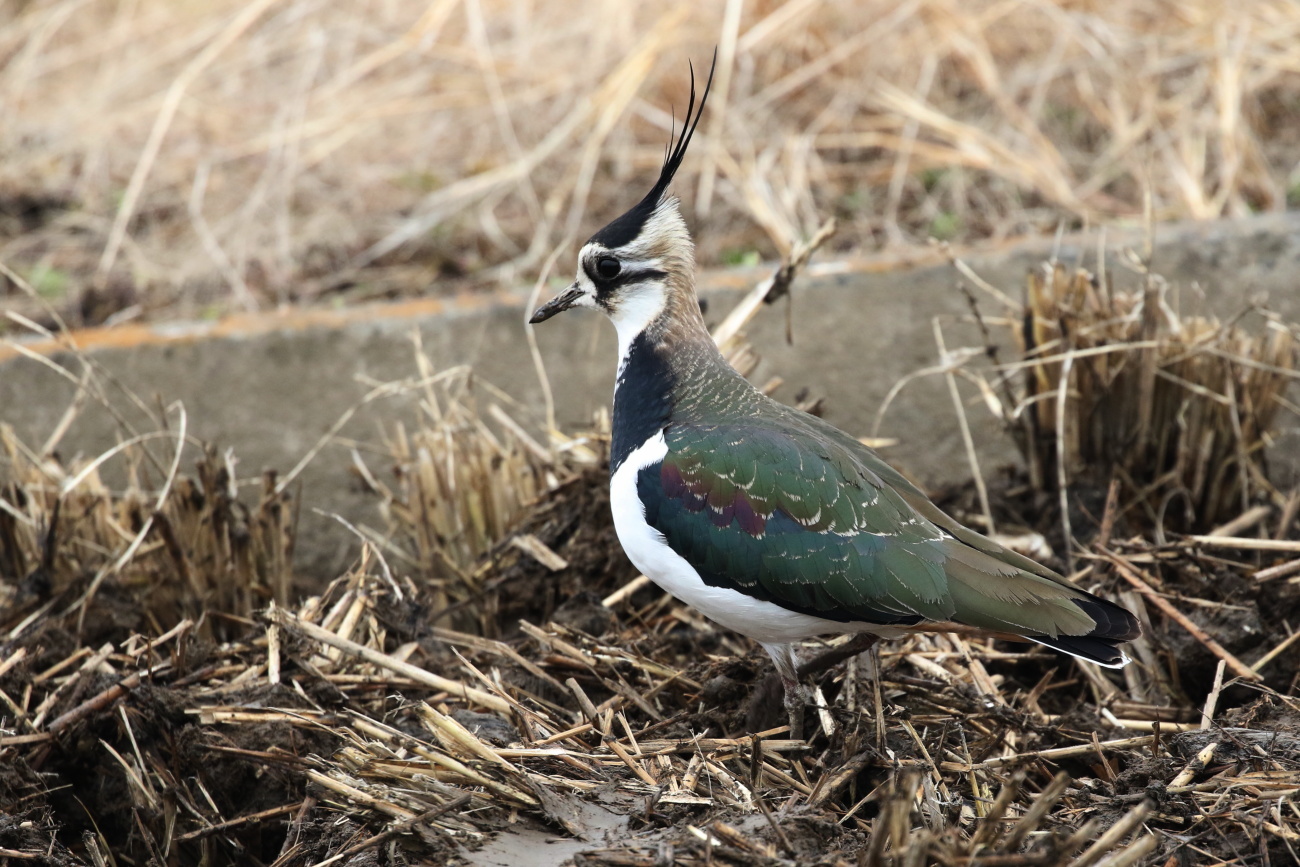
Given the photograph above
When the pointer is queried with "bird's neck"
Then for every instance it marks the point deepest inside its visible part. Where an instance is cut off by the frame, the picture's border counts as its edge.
(671, 370)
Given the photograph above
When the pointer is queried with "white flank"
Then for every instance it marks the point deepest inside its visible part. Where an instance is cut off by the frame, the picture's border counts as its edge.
(765, 622)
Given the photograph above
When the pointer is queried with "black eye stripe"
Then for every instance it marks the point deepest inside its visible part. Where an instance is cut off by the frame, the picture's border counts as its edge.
(628, 275)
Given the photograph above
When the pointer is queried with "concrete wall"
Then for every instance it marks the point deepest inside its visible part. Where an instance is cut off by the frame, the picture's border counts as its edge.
(270, 386)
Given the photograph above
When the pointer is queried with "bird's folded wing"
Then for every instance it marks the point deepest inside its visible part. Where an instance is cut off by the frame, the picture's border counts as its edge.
(808, 522)
(800, 526)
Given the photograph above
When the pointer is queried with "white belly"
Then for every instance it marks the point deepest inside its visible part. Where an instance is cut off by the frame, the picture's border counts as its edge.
(765, 622)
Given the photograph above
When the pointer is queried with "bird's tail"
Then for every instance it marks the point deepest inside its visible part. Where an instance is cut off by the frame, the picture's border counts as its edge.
(993, 594)
(1115, 625)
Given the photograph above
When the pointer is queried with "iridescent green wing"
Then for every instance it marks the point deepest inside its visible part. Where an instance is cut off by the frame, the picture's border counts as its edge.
(798, 522)
(789, 510)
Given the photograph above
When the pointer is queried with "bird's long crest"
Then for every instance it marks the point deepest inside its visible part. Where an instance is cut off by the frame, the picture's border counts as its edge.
(626, 228)
(677, 151)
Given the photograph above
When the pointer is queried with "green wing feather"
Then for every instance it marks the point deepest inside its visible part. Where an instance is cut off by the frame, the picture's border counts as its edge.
(787, 508)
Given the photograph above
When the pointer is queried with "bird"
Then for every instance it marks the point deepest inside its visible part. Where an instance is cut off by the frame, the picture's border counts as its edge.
(770, 521)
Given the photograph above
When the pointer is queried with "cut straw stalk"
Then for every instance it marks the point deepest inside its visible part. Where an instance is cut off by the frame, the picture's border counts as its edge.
(1054, 753)
(293, 623)
(1107, 842)
(1245, 544)
(232, 824)
(1276, 651)
(1149, 725)
(1279, 571)
(627, 591)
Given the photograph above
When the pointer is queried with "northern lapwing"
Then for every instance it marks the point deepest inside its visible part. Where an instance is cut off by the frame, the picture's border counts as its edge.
(770, 521)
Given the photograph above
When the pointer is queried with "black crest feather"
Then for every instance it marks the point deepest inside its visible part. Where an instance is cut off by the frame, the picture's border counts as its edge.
(627, 227)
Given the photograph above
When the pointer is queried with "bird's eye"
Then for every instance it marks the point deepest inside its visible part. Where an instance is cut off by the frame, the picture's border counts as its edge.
(608, 267)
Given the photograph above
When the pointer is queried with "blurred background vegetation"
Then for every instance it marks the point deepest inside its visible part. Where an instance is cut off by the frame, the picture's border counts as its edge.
(184, 159)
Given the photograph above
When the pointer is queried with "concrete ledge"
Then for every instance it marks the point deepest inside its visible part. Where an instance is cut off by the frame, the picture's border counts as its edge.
(270, 385)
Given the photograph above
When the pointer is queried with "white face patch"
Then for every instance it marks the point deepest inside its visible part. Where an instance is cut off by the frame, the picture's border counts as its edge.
(631, 306)
(637, 307)
(636, 293)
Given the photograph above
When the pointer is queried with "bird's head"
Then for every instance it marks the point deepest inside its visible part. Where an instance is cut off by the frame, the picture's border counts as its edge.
(639, 265)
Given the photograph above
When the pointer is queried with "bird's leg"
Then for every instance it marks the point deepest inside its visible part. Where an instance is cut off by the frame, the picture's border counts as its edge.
(794, 702)
(787, 667)
(792, 672)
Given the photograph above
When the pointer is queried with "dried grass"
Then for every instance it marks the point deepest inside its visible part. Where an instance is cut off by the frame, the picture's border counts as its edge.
(164, 156)
(184, 545)
(956, 753)
(1119, 385)
(463, 481)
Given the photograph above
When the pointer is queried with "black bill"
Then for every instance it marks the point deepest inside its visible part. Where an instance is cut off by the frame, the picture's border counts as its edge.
(558, 304)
